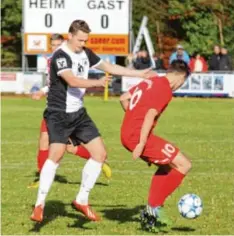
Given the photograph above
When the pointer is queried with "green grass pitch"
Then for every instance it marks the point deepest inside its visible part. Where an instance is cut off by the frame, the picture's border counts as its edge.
(202, 128)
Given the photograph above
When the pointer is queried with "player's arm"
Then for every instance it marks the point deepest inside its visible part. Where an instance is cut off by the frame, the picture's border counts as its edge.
(124, 100)
(147, 125)
(123, 71)
(114, 69)
(79, 82)
(145, 131)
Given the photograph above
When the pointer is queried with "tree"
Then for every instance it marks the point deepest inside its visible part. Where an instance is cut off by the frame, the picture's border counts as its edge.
(199, 28)
(11, 11)
(205, 23)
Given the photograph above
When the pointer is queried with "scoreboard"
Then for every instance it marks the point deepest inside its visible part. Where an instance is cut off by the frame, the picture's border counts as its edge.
(108, 20)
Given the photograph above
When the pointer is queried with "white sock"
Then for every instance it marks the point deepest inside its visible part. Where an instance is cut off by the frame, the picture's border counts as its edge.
(46, 179)
(90, 174)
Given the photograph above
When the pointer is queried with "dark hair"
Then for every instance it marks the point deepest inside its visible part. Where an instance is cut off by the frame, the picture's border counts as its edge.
(195, 54)
(56, 37)
(179, 66)
(77, 25)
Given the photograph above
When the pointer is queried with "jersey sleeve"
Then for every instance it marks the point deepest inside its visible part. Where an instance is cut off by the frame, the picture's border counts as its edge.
(160, 97)
(60, 62)
(94, 60)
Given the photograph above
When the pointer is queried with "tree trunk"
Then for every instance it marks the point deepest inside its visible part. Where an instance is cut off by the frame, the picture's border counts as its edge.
(159, 36)
(220, 25)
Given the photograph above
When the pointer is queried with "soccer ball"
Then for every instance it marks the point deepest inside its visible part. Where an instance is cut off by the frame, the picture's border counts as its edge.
(190, 206)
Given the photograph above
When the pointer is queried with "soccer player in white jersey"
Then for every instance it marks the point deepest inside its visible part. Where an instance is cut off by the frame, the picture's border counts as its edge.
(66, 116)
(55, 41)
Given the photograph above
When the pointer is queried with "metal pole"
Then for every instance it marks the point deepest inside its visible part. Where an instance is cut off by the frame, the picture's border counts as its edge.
(130, 26)
(106, 89)
(22, 39)
(140, 34)
(149, 45)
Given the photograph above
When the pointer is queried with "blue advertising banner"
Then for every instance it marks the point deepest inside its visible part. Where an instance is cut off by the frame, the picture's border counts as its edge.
(198, 84)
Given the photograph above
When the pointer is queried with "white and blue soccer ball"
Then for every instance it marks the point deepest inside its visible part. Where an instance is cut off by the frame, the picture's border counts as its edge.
(190, 206)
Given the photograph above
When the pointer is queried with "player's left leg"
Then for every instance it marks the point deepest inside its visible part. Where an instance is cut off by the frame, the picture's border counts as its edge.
(82, 152)
(90, 174)
(87, 134)
(173, 166)
(167, 179)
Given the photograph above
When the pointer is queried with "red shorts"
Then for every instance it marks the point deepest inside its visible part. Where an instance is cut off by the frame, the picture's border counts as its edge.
(43, 126)
(157, 150)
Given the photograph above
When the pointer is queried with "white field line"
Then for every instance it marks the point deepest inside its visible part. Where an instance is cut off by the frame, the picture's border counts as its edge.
(28, 142)
(128, 172)
(27, 165)
(76, 164)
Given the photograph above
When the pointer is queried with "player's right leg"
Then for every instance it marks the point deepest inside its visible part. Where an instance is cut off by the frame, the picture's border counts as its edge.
(58, 137)
(43, 151)
(56, 151)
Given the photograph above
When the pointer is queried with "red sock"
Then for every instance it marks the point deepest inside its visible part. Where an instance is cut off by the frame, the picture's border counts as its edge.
(157, 184)
(41, 158)
(82, 152)
(174, 179)
(163, 185)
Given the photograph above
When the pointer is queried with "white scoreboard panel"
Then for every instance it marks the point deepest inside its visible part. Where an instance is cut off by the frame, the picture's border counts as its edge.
(108, 20)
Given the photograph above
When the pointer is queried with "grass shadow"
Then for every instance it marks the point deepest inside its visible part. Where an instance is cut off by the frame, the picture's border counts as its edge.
(122, 214)
(80, 223)
(58, 178)
(54, 209)
(79, 183)
(63, 180)
(183, 229)
(108, 206)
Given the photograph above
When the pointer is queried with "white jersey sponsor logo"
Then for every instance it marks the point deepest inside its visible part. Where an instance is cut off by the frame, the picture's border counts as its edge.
(61, 63)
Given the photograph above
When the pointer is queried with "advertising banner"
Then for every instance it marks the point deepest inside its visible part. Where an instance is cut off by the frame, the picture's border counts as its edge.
(198, 84)
(19, 83)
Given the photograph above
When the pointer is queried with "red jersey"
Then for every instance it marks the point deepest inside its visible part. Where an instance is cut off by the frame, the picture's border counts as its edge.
(154, 93)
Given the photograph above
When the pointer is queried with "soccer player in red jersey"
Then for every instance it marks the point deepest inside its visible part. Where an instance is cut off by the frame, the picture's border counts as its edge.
(143, 105)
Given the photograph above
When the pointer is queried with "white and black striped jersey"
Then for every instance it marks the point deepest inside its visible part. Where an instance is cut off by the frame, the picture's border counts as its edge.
(61, 96)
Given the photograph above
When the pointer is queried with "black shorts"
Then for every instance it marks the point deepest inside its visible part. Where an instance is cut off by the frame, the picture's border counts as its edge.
(77, 126)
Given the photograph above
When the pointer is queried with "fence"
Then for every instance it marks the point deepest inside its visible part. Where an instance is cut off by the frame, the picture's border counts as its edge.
(211, 84)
